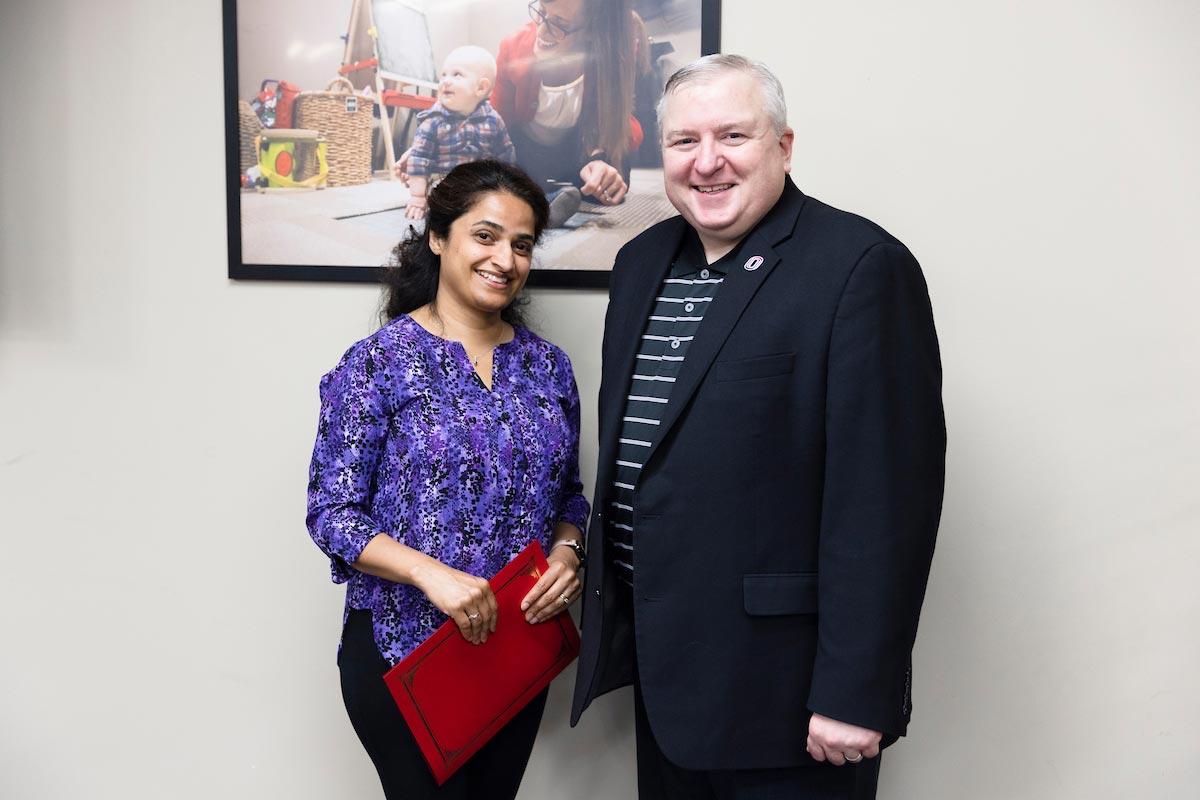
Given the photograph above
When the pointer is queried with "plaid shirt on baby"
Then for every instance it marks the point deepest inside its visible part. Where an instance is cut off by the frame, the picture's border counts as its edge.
(445, 139)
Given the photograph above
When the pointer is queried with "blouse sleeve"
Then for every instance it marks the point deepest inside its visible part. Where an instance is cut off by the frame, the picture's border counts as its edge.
(351, 433)
(572, 505)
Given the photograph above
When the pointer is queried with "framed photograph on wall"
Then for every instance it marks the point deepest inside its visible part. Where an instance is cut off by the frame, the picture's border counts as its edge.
(325, 99)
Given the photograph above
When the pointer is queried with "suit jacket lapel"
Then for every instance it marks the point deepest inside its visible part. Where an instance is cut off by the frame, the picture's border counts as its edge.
(628, 321)
(741, 284)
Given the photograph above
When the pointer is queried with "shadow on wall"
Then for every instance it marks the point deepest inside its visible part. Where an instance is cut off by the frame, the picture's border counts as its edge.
(37, 250)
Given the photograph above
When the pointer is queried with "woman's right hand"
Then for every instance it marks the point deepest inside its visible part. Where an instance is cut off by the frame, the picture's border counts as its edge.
(465, 598)
(602, 181)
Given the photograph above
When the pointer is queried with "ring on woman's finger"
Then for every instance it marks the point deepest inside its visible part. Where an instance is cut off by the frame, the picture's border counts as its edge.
(472, 617)
(565, 600)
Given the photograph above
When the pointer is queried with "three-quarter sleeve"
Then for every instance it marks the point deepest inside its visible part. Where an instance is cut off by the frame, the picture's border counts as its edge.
(351, 433)
(572, 506)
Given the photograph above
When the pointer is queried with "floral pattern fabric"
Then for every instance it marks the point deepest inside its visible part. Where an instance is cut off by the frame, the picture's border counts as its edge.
(411, 444)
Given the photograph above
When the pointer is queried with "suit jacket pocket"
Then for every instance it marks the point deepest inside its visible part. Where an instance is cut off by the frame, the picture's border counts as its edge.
(775, 594)
(757, 367)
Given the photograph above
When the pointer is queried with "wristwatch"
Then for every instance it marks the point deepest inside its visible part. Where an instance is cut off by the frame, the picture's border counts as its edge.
(574, 544)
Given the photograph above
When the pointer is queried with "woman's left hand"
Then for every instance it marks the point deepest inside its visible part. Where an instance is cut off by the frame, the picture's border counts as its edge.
(602, 181)
(556, 589)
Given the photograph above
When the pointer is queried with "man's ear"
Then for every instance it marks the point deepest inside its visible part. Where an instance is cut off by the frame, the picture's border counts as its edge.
(785, 143)
(484, 88)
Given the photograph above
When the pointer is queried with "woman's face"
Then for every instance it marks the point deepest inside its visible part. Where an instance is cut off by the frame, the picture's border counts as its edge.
(486, 258)
(560, 32)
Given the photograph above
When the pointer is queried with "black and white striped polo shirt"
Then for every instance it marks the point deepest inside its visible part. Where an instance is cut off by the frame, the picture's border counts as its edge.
(685, 295)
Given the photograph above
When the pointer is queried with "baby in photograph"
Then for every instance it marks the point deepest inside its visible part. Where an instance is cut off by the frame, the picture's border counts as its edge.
(461, 126)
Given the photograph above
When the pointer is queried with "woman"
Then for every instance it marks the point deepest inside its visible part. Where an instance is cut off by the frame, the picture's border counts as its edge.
(447, 441)
(564, 87)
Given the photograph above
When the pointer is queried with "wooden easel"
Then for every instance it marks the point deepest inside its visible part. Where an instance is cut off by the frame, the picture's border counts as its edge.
(363, 65)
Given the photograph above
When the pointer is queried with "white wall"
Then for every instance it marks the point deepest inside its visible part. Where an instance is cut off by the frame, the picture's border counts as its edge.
(168, 629)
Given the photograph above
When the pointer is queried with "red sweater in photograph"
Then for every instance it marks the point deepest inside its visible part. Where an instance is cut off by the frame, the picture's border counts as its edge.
(515, 97)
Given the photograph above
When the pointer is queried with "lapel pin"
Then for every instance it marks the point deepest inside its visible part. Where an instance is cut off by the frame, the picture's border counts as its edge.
(754, 263)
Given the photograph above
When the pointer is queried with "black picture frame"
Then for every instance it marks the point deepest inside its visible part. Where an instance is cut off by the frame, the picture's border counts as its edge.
(591, 276)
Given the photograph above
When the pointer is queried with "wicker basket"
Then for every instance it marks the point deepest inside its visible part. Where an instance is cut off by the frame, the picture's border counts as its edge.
(248, 127)
(345, 119)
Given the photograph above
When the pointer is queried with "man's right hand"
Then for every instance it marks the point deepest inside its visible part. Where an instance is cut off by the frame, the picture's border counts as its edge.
(840, 742)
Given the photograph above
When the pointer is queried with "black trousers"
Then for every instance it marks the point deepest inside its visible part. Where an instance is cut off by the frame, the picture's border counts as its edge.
(660, 779)
(494, 773)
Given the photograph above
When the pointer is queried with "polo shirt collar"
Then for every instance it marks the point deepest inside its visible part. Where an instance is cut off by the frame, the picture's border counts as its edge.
(691, 258)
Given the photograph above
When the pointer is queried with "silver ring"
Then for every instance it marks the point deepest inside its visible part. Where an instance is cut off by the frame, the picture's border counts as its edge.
(852, 760)
(566, 600)
(472, 616)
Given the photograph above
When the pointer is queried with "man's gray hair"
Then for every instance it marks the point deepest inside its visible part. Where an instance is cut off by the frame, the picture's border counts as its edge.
(707, 68)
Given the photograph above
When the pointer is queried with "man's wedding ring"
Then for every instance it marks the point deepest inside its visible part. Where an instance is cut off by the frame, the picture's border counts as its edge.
(566, 600)
(472, 616)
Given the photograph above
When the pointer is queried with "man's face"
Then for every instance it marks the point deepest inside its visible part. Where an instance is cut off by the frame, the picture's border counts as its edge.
(724, 165)
(464, 83)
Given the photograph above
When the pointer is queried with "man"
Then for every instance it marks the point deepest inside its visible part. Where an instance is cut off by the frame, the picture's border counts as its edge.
(771, 465)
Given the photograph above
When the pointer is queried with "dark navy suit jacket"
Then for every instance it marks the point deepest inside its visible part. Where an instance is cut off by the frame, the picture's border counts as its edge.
(786, 514)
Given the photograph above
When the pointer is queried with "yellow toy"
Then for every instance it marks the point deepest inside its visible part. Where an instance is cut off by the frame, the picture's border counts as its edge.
(280, 162)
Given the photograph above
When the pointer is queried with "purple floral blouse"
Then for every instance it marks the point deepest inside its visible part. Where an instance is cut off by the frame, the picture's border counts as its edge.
(412, 444)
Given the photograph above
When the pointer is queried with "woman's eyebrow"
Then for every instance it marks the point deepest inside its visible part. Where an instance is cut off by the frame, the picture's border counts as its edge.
(496, 226)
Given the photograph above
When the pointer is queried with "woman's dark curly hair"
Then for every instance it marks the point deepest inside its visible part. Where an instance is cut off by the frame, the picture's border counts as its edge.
(411, 279)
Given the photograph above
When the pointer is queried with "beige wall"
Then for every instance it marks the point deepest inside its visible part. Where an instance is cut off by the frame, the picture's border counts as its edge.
(168, 629)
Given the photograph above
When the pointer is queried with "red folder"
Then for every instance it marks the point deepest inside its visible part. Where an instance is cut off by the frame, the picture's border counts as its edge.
(455, 695)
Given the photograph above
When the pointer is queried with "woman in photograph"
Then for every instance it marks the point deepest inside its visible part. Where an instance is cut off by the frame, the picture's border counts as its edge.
(447, 441)
(565, 87)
